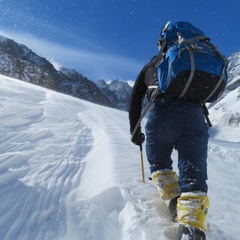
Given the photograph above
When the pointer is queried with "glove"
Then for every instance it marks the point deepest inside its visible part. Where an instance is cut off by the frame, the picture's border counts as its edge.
(138, 138)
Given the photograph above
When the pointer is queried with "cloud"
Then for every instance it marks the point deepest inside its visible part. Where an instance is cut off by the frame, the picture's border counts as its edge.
(94, 63)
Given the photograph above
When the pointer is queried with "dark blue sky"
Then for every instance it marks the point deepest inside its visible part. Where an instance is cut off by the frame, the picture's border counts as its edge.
(112, 39)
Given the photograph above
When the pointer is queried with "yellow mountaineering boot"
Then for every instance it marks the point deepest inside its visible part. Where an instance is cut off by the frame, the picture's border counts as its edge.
(192, 210)
(167, 185)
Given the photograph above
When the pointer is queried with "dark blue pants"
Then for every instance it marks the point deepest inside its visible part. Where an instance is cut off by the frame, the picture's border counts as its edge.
(180, 125)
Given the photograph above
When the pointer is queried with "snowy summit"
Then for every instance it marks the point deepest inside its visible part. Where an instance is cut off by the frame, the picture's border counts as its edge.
(70, 172)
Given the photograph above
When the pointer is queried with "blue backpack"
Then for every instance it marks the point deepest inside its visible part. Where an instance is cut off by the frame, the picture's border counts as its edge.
(188, 66)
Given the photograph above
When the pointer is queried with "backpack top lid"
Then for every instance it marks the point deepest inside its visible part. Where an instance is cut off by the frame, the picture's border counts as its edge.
(171, 32)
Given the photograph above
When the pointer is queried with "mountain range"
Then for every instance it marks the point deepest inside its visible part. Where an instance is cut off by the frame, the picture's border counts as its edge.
(18, 61)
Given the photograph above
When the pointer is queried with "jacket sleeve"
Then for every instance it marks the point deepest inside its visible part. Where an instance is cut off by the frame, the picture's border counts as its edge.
(136, 99)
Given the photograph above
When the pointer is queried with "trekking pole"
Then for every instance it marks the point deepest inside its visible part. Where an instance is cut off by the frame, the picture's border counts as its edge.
(142, 163)
(136, 128)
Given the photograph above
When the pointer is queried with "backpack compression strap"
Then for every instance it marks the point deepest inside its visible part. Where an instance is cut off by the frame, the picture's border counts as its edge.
(219, 82)
(190, 50)
(191, 44)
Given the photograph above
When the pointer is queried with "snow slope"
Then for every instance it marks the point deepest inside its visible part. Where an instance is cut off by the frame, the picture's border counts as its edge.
(68, 171)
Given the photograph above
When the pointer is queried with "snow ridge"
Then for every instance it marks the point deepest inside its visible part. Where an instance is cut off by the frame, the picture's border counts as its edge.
(68, 171)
